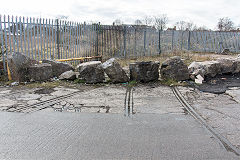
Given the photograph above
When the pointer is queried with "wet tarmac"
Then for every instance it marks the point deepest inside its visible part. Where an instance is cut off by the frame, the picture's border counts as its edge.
(220, 83)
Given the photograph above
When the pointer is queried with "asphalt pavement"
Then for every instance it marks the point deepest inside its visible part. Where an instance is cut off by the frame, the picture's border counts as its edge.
(48, 134)
(55, 135)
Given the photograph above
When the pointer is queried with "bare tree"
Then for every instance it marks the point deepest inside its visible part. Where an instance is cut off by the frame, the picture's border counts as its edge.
(225, 24)
(181, 25)
(161, 21)
(220, 24)
(118, 22)
(148, 20)
(62, 17)
(138, 22)
(190, 26)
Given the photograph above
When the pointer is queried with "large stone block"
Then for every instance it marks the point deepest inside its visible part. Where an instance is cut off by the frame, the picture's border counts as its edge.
(174, 68)
(213, 68)
(19, 65)
(237, 63)
(114, 71)
(144, 71)
(58, 67)
(227, 65)
(205, 69)
(40, 72)
(69, 75)
(91, 72)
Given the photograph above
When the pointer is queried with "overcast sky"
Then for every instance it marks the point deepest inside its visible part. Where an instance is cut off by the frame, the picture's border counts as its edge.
(201, 12)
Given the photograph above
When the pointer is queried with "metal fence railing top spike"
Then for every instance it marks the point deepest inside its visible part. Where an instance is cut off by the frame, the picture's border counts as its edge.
(41, 38)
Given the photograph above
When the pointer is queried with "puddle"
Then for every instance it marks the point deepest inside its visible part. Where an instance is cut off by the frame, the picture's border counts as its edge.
(220, 83)
(44, 91)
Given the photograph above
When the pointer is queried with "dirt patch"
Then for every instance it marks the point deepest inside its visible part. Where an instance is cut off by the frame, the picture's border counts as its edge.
(44, 91)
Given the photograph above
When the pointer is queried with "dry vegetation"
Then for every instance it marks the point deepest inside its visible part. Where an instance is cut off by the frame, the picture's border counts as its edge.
(188, 57)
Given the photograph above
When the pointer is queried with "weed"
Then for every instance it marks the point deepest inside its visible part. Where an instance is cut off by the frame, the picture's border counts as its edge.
(132, 83)
(79, 81)
(108, 81)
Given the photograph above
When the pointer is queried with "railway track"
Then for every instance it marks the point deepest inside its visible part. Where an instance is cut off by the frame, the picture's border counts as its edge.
(128, 103)
(191, 111)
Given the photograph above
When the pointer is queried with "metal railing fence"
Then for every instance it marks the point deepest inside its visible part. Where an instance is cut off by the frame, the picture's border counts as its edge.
(41, 38)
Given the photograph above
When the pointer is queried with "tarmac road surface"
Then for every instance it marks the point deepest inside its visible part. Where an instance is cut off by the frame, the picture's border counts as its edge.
(160, 134)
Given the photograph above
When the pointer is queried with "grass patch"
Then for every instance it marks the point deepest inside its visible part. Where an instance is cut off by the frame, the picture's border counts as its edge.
(79, 81)
(7, 82)
(132, 83)
(108, 80)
